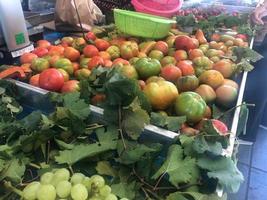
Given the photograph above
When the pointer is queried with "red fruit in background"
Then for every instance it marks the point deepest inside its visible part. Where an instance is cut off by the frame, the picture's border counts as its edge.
(101, 44)
(34, 80)
(82, 74)
(40, 64)
(108, 63)
(180, 55)
(53, 60)
(120, 60)
(242, 36)
(71, 53)
(220, 126)
(98, 98)
(95, 62)
(67, 41)
(105, 55)
(27, 58)
(194, 53)
(65, 74)
(43, 43)
(129, 50)
(167, 60)
(171, 73)
(70, 86)
(40, 51)
(186, 67)
(56, 50)
(162, 46)
(51, 79)
(90, 36)
(142, 84)
(184, 42)
(75, 66)
(90, 51)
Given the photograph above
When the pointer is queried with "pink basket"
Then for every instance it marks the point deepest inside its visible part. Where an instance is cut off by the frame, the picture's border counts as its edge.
(164, 8)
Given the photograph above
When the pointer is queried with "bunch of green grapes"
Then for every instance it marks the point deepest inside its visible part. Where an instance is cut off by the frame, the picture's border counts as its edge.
(61, 186)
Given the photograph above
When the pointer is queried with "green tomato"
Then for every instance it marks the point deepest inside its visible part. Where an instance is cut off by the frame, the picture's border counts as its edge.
(147, 67)
(66, 64)
(191, 105)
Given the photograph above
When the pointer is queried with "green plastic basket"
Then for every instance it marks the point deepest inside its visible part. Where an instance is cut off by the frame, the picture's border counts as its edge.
(142, 25)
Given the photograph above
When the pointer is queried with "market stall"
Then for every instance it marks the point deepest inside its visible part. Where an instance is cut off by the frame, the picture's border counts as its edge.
(146, 108)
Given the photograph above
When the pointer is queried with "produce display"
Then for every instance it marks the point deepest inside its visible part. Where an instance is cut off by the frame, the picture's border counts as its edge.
(184, 83)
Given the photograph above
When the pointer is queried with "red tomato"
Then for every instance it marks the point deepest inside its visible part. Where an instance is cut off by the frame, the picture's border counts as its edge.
(120, 60)
(34, 80)
(90, 51)
(40, 51)
(27, 58)
(56, 50)
(75, 66)
(51, 79)
(101, 44)
(72, 54)
(95, 61)
(90, 36)
(43, 43)
(70, 86)
(108, 63)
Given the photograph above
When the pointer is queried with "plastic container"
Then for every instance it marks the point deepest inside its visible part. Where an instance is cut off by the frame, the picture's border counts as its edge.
(164, 8)
(142, 25)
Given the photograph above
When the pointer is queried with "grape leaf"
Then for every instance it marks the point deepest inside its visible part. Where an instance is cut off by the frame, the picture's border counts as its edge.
(179, 170)
(14, 170)
(201, 145)
(176, 196)
(187, 144)
(169, 122)
(105, 168)
(133, 152)
(134, 122)
(76, 106)
(224, 170)
(124, 190)
(175, 123)
(63, 146)
(107, 141)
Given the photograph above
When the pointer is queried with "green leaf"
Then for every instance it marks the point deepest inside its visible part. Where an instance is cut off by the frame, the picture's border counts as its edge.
(107, 141)
(105, 168)
(158, 119)
(224, 170)
(243, 118)
(134, 152)
(14, 170)
(63, 146)
(169, 122)
(124, 190)
(120, 90)
(134, 122)
(175, 123)
(76, 106)
(201, 145)
(31, 121)
(179, 170)
(176, 196)
(187, 144)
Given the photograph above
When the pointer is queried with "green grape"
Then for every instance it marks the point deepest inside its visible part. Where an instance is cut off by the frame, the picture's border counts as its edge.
(97, 181)
(79, 192)
(95, 198)
(47, 178)
(87, 183)
(105, 191)
(124, 199)
(77, 178)
(111, 197)
(60, 175)
(46, 192)
(29, 192)
(63, 189)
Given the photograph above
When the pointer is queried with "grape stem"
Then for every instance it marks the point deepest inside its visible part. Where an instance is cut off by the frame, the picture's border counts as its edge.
(231, 109)
(13, 189)
(120, 127)
(35, 166)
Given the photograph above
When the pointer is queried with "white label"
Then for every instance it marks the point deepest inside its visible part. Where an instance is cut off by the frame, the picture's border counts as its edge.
(22, 51)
